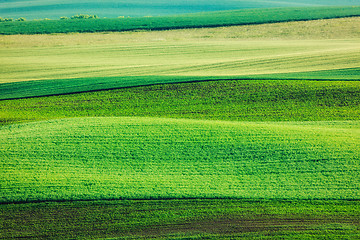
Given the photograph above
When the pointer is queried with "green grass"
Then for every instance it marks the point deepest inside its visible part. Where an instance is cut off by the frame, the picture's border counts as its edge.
(290, 136)
(37, 88)
(239, 100)
(154, 158)
(183, 219)
(207, 19)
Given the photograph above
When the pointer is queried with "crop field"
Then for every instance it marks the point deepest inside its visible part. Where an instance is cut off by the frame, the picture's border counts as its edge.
(195, 20)
(240, 132)
(150, 158)
(195, 58)
(239, 100)
(69, 63)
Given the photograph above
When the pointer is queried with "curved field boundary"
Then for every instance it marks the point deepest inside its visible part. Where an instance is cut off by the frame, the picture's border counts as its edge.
(67, 86)
(231, 100)
(154, 158)
(40, 88)
(207, 19)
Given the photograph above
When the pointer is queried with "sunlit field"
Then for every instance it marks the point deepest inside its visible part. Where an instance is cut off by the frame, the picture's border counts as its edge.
(236, 100)
(238, 132)
(133, 55)
(147, 158)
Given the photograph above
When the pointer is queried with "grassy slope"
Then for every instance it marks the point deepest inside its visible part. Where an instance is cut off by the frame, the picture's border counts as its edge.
(28, 89)
(237, 100)
(301, 220)
(143, 158)
(252, 100)
(207, 19)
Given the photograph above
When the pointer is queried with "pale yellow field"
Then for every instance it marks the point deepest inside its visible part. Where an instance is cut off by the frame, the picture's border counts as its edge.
(240, 50)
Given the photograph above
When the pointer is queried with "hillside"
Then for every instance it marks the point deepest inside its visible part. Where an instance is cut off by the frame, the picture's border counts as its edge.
(236, 100)
(240, 52)
(150, 158)
(236, 132)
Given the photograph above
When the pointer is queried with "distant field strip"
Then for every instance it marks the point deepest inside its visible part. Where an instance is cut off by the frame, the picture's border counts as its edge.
(177, 58)
(338, 28)
(197, 20)
(143, 158)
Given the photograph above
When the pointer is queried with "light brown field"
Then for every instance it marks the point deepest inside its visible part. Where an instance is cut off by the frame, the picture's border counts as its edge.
(342, 28)
(226, 51)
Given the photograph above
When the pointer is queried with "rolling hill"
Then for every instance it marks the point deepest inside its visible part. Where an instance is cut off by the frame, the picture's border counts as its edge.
(151, 158)
(236, 100)
(236, 132)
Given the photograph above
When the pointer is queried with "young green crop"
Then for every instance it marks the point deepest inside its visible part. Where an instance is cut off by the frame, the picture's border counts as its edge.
(198, 20)
(251, 100)
(151, 158)
(28, 89)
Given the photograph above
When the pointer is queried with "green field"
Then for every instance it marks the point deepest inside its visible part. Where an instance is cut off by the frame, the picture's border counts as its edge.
(242, 132)
(237, 100)
(151, 158)
(264, 49)
(195, 20)
(26, 89)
